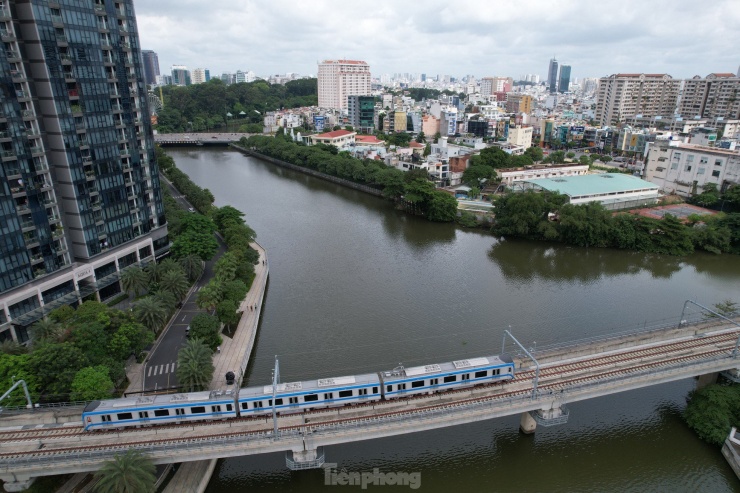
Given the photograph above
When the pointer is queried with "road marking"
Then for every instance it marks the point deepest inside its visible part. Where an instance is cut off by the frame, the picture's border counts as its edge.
(149, 373)
(173, 367)
(183, 318)
(160, 369)
(167, 368)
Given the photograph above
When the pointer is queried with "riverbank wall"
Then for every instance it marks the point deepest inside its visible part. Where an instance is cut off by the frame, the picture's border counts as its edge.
(731, 452)
(307, 171)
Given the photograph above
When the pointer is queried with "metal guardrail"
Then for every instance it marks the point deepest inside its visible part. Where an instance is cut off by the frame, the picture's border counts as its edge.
(295, 465)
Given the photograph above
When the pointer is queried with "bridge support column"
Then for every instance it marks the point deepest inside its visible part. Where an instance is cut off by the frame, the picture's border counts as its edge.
(16, 482)
(297, 460)
(707, 379)
(527, 424)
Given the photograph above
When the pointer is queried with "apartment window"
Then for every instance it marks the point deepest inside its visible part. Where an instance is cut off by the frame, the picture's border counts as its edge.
(718, 162)
(690, 158)
(715, 173)
(700, 171)
(687, 168)
(674, 165)
(703, 160)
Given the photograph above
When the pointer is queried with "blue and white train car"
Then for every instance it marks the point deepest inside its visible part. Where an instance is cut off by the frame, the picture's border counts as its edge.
(313, 394)
(428, 379)
(159, 409)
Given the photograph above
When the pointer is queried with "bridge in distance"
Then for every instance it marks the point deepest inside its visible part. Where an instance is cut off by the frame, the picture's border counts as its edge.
(539, 393)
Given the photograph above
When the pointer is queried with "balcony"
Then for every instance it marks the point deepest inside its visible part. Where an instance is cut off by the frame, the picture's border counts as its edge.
(17, 75)
(12, 54)
(53, 218)
(76, 109)
(28, 114)
(57, 233)
(57, 19)
(27, 225)
(37, 258)
(7, 154)
(5, 33)
(22, 95)
(66, 57)
(89, 175)
(37, 150)
(61, 38)
(82, 143)
(73, 93)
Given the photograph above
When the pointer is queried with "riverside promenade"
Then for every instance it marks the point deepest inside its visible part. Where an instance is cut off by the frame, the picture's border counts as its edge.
(193, 477)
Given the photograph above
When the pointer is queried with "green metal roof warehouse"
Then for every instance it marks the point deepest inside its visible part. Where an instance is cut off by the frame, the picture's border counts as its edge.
(613, 190)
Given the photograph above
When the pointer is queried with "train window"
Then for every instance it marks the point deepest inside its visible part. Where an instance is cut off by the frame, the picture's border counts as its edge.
(401, 386)
(345, 393)
(245, 406)
(328, 395)
(229, 407)
(257, 404)
(292, 400)
(106, 418)
(465, 376)
(161, 412)
(278, 402)
(417, 384)
(451, 378)
(497, 371)
(481, 374)
(388, 388)
(434, 381)
(375, 390)
(361, 391)
(122, 416)
(180, 411)
(144, 415)
(310, 397)
(198, 410)
(215, 409)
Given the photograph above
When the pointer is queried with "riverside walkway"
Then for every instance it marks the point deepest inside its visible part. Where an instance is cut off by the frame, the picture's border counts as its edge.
(562, 375)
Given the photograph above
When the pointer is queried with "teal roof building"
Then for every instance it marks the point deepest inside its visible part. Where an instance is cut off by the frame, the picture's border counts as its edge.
(613, 190)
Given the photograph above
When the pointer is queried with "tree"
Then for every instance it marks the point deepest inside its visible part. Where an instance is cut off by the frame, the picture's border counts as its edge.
(91, 383)
(474, 192)
(131, 472)
(437, 136)
(45, 329)
(194, 365)
(150, 312)
(443, 207)
(584, 160)
(225, 268)
(227, 214)
(55, 365)
(570, 155)
(427, 150)
(712, 411)
(708, 197)
(535, 153)
(420, 138)
(493, 157)
(192, 265)
(227, 314)
(134, 280)
(175, 282)
(476, 175)
(206, 328)
(209, 296)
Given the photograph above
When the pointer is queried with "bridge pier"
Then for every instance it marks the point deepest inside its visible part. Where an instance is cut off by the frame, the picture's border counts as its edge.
(732, 375)
(527, 424)
(705, 380)
(16, 482)
(557, 414)
(297, 460)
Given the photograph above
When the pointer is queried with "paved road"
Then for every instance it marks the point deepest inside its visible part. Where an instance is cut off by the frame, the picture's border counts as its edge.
(159, 370)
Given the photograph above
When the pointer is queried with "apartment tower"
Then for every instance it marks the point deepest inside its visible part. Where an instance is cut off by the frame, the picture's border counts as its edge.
(79, 186)
(151, 66)
(621, 96)
(341, 78)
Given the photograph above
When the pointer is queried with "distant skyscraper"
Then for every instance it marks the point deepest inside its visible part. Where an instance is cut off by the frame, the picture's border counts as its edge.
(552, 76)
(564, 78)
(180, 75)
(151, 66)
(623, 96)
(198, 76)
(341, 78)
(80, 197)
(208, 75)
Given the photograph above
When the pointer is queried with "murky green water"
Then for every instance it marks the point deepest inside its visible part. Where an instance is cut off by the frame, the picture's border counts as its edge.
(356, 286)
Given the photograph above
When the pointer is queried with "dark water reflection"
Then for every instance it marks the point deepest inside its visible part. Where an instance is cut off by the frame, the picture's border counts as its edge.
(357, 286)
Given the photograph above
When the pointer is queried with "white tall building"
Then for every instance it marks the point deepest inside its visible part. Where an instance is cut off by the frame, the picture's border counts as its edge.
(198, 76)
(341, 78)
(622, 96)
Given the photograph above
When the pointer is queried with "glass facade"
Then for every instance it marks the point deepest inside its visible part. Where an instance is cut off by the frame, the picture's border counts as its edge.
(78, 176)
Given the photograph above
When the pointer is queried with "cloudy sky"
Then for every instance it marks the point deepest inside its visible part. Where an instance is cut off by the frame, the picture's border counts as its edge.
(680, 37)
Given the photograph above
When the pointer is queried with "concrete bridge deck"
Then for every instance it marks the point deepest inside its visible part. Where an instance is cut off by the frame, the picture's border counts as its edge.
(593, 369)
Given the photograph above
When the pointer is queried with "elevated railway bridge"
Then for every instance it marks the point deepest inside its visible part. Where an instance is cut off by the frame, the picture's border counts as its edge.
(545, 383)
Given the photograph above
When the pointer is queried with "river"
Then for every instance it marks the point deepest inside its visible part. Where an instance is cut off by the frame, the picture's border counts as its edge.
(356, 286)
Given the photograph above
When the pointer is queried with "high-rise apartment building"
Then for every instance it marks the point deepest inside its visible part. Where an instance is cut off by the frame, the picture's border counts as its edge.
(361, 111)
(151, 66)
(517, 102)
(552, 76)
(341, 78)
(564, 78)
(180, 75)
(715, 96)
(622, 96)
(79, 193)
(198, 76)
(486, 86)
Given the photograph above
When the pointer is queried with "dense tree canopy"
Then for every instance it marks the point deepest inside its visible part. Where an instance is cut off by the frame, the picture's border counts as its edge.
(202, 107)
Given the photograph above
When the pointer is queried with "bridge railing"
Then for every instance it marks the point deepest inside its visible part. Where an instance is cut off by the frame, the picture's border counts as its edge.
(491, 403)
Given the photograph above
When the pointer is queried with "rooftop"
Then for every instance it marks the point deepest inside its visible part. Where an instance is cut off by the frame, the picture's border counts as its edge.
(334, 134)
(368, 139)
(576, 186)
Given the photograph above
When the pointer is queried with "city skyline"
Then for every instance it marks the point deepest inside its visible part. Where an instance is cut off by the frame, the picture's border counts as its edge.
(506, 40)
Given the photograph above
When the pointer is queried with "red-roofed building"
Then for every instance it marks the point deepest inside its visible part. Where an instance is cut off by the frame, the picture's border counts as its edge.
(338, 138)
(368, 140)
(338, 79)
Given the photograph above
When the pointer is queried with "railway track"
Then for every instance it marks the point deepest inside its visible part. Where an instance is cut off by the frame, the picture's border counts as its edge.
(559, 378)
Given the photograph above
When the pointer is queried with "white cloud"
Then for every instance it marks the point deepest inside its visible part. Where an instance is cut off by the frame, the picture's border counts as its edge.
(679, 37)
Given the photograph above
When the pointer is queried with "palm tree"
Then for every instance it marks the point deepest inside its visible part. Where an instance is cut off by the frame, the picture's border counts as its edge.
(44, 329)
(193, 266)
(168, 265)
(12, 347)
(150, 312)
(131, 472)
(209, 296)
(154, 272)
(195, 365)
(133, 279)
(175, 282)
(167, 300)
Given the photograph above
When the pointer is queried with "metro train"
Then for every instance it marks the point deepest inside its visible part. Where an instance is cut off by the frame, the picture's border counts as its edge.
(296, 396)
